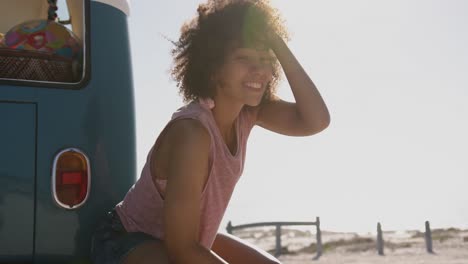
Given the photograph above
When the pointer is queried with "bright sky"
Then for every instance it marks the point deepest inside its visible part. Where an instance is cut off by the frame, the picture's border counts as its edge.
(393, 74)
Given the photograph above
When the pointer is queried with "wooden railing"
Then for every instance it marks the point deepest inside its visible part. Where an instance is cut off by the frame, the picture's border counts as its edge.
(230, 228)
(427, 239)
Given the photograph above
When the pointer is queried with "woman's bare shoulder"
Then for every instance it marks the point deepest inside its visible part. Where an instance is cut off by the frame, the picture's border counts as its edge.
(188, 131)
(183, 138)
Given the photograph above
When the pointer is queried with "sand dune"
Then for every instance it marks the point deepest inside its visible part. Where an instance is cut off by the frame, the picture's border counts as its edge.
(406, 247)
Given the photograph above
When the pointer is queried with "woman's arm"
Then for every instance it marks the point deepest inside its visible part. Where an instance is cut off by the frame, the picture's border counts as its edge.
(236, 250)
(186, 175)
(309, 114)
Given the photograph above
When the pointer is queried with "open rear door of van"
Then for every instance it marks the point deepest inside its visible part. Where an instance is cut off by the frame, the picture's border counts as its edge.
(17, 180)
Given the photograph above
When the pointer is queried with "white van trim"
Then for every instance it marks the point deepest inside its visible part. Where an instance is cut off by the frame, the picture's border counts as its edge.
(123, 5)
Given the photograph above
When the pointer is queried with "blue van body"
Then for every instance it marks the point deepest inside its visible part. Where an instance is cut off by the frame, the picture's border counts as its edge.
(38, 120)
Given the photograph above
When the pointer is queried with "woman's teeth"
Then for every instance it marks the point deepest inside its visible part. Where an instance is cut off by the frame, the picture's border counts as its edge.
(254, 85)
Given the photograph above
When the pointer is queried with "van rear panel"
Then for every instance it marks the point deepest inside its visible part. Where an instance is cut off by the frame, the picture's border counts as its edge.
(38, 120)
(99, 120)
(17, 180)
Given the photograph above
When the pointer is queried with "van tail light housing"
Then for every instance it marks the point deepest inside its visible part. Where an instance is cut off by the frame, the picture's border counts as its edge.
(71, 177)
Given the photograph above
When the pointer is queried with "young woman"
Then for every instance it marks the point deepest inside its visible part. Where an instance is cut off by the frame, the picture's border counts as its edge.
(226, 66)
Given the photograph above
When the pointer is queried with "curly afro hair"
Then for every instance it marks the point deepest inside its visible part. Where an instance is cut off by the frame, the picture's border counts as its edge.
(206, 39)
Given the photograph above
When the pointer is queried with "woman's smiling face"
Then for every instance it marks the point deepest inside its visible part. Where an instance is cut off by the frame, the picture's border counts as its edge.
(244, 75)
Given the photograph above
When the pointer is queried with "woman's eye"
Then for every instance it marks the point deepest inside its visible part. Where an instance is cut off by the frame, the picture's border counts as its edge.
(246, 59)
(243, 58)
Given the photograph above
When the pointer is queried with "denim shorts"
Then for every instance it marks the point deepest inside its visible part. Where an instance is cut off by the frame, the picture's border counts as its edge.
(111, 243)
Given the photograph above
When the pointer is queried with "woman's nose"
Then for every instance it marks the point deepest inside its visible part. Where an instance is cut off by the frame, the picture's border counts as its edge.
(259, 66)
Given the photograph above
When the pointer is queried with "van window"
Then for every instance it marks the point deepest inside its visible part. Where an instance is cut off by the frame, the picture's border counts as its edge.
(42, 41)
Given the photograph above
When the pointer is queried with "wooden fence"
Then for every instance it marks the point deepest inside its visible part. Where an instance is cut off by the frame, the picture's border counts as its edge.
(380, 239)
(278, 226)
(427, 239)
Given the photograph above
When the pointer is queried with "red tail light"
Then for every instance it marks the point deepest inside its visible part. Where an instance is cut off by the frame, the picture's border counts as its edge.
(71, 178)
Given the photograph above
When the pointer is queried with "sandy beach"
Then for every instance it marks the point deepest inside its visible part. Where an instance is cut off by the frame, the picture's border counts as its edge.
(404, 247)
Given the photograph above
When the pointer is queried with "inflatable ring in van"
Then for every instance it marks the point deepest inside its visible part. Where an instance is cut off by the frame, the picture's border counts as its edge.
(44, 36)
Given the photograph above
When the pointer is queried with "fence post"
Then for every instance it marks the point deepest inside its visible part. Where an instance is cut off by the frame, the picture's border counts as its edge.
(278, 240)
(229, 228)
(278, 249)
(319, 239)
(380, 242)
(428, 238)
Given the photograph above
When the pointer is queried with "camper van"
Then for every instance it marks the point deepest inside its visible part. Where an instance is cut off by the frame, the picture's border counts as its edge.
(67, 125)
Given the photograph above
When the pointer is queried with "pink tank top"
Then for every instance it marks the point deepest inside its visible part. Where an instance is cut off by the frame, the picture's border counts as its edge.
(142, 208)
